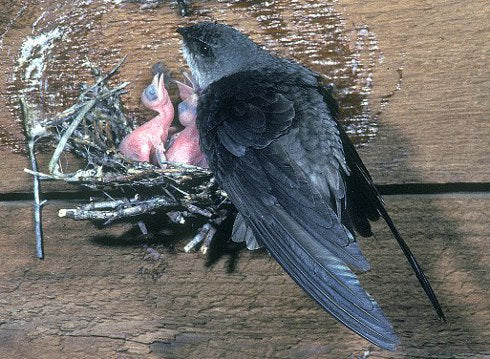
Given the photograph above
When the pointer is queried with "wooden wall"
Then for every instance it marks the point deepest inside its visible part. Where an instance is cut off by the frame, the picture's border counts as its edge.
(97, 296)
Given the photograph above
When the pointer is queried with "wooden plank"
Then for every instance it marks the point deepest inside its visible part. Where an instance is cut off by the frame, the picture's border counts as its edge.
(434, 130)
(101, 297)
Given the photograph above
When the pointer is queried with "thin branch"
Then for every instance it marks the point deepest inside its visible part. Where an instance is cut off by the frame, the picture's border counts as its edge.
(198, 238)
(130, 210)
(32, 134)
(53, 164)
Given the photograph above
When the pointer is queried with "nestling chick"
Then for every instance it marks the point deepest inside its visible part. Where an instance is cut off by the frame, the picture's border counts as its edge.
(184, 146)
(146, 143)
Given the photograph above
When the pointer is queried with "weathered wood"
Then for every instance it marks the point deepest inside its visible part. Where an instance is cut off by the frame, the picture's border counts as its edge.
(98, 297)
(434, 130)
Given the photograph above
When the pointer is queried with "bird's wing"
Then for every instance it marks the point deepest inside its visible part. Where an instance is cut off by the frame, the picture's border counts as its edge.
(242, 233)
(364, 204)
(240, 135)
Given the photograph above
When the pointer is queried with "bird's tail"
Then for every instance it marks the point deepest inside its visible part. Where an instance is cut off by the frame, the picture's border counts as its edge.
(424, 282)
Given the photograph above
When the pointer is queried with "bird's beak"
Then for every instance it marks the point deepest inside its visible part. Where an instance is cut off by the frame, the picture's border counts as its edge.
(161, 84)
(158, 84)
(183, 31)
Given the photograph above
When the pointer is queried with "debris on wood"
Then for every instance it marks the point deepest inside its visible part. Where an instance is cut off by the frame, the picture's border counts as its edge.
(92, 129)
(182, 5)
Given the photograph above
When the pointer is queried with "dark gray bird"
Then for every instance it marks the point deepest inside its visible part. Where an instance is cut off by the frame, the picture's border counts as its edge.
(269, 131)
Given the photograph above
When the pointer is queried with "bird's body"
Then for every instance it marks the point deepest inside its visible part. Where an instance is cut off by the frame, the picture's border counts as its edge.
(185, 148)
(184, 145)
(269, 132)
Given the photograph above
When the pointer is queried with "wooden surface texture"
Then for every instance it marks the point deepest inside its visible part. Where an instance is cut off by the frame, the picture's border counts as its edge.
(103, 294)
(103, 297)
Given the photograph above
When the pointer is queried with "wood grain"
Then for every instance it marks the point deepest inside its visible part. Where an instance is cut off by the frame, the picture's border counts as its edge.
(104, 294)
(435, 129)
(96, 296)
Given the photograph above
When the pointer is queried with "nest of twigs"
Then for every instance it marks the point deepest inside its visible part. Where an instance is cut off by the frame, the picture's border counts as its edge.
(92, 129)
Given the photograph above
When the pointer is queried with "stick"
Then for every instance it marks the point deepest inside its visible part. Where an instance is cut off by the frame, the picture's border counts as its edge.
(85, 109)
(132, 209)
(32, 136)
(198, 238)
(53, 163)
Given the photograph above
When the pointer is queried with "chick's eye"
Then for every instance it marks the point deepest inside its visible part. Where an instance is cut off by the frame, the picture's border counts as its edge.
(151, 93)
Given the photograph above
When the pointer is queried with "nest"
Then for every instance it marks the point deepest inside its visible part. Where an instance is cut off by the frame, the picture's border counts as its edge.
(92, 129)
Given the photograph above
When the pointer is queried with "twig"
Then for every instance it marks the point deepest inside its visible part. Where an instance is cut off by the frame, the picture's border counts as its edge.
(222, 215)
(103, 205)
(145, 175)
(66, 114)
(100, 80)
(130, 210)
(208, 239)
(198, 238)
(196, 210)
(53, 163)
(33, 133)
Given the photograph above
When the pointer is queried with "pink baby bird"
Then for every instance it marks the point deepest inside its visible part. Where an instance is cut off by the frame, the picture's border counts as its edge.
(147, 142)
(185, 144)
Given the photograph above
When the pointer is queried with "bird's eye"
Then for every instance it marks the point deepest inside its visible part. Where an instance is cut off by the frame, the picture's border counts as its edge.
(204, 49)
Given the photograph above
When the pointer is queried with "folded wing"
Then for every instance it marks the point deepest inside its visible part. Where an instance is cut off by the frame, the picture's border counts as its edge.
(244, 134)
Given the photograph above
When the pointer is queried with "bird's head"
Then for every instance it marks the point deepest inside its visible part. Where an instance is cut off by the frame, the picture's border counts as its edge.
(213, 51)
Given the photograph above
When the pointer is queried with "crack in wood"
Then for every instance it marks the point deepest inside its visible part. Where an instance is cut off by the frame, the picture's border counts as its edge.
(477, 188)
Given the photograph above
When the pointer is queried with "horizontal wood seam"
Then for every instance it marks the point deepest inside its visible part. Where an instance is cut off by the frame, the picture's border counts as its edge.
(385, 189)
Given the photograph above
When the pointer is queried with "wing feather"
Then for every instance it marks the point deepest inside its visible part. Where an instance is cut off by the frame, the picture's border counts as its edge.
(244, 134)
(318, 271)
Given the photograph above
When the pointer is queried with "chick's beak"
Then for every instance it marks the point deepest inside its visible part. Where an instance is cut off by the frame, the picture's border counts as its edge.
(158, 85)
(161, 85)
